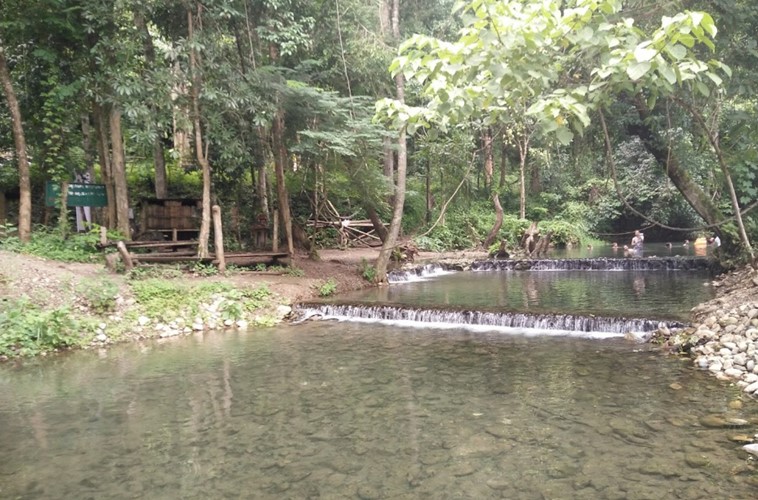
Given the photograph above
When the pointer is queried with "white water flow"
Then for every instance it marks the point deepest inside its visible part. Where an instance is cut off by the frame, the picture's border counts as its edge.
(599, 297)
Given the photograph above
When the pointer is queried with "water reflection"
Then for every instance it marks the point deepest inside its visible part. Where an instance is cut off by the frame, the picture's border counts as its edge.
(660, 294)
(348, 411)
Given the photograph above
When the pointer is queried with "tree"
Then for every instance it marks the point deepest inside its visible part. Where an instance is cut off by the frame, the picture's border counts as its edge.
(402, 159)
(25, 204)
(566, 59)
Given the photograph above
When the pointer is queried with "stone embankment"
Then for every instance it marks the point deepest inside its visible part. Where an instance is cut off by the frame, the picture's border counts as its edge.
(723, 337)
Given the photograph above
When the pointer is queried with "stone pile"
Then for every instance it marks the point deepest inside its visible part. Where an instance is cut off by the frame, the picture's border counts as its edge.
(724, 336)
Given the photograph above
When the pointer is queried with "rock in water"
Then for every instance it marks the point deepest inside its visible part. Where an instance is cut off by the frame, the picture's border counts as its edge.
(751, 448)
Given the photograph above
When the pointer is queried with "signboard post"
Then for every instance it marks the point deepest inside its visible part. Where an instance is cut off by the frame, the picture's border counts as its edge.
(83, 196)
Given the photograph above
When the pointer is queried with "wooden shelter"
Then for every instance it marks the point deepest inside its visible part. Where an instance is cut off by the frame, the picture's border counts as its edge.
(175, 219)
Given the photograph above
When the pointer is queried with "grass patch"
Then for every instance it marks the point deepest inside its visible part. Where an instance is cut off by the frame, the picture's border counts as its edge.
(27, 330)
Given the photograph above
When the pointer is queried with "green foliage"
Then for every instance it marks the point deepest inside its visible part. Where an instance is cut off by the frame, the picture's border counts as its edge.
(26, 330)
(368, 271)
(144, 272)
(429, 244)
(49, 244)
(160, 298)
(327, 288)
(165, 299)
(99, 294)
(564, 232)
(203, 269)
(257, 297)
(232, 310)
(295, 272)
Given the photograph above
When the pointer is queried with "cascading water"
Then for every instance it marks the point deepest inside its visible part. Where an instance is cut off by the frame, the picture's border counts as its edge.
(421, 272)
(644, 295)
(494, 319)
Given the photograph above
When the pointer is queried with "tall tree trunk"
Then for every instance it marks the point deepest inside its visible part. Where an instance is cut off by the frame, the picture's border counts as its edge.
(19, 140)
(280, 164)
(388, 153)
(161, 181)
(202, 159)
(87, 147)
(399, 196)
(180, 114)
(100, 121)
(489, 168)
(429, 199)
(535, 183)
(161, 189)
(376, 221)
(388, 162)
(118, 166)
(261, 184)
(503, 165)
(3, 208)
(523, 152)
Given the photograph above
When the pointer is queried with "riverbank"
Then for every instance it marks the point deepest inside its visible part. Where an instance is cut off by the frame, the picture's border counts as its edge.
(723, 337)
(83, 305)
(161, 302)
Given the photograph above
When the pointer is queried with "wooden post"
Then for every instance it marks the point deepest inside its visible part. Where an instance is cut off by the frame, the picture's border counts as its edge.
(218, 238)
(103, 236)
(128, 264)
(174, 235)
(275, 232)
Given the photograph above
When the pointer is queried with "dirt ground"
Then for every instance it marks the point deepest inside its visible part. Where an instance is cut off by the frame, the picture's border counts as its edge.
(52, 284)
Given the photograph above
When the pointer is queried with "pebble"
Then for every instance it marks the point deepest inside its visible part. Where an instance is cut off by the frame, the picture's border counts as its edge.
(723, 342)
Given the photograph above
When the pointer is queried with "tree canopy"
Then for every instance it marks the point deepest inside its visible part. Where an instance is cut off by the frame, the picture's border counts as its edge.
(594, 117)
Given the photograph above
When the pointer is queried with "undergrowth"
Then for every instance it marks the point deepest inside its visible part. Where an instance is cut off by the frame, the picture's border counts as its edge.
(27, 330)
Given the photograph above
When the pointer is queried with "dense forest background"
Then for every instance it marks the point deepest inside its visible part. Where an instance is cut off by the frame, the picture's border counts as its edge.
(457, 123)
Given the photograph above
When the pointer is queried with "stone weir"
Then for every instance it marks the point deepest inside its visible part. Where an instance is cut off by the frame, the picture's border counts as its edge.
(421, 272)
(493, 319)
(600, 264)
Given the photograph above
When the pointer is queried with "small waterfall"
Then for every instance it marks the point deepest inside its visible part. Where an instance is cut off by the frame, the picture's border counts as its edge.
(598, 264)
(611, 326)
(421, 272)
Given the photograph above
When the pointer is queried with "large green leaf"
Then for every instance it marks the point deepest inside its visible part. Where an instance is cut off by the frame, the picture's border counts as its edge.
(637, 70)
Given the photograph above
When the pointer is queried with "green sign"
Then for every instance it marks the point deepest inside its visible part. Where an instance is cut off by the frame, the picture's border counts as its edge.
(79, 195)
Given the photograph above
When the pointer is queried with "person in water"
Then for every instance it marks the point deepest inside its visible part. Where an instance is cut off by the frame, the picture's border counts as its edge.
(686, 243)
(716, 241)
(637, 241)
(669, 245)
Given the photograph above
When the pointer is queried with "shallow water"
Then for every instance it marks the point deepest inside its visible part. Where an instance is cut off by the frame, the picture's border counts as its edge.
(659, 294)
(326, 410)
(648, 250)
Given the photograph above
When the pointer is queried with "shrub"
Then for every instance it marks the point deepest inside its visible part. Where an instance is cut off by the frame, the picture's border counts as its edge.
(26, 330)
(327, 288)
(51, 244)
(100, 295)
(367, 271)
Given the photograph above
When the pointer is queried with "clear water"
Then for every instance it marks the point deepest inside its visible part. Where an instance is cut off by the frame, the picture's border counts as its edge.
(647, 294)
(368, 411)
